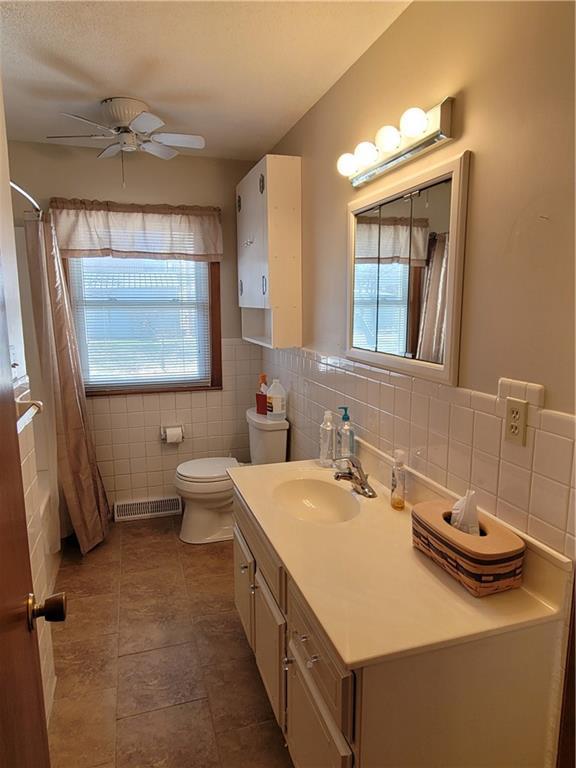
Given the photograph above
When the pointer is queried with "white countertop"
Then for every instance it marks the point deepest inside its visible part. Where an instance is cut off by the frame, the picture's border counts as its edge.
(374, 594)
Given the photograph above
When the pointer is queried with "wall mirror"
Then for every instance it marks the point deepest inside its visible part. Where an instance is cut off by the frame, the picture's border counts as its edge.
(405, 273)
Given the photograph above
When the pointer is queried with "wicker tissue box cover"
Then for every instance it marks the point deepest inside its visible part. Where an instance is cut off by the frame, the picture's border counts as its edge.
(485, 564)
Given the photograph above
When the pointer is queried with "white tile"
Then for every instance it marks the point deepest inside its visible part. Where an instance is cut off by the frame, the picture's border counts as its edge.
(399, 380)
(151, 402)
(514, 485)
(386, 398)
(134, 403)
(553, 456)
(136, 419)
(570, 546)
(571, 519)
(439, 420)
(484, 500)
(101, 405)
(534, 417)
(512, 515)
(418, 442)
(386, 430)
(402, 404)
(461, 424)
(550, 535)
(438, 449)
(517, 389)
(121, 451)
(168, 401)
(519, 454)
(118, 404)
(558, 423)
(549, 501)
(535, 394)
(122, 467)
(459, 459)
(419, 413)
(504, 388)
(480, 401)
(401, 434)
(485, 471)
(457, 484)
(437, 474)
(455, 395)
(487, 430)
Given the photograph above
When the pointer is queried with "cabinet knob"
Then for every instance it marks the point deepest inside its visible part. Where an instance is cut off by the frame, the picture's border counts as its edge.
(243, 568)
(239, 203)
(261, 184)
(286, 661)
(241, 288)
(253, 588)
(264, 285)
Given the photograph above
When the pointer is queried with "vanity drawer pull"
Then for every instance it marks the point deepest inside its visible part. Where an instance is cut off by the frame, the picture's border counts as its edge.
(253, 588)
(303, 638)
(244, 568)
(314, 659)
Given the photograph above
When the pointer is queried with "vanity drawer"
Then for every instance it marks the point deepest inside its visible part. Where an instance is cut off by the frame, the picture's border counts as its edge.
(334, 681)
(267, 560)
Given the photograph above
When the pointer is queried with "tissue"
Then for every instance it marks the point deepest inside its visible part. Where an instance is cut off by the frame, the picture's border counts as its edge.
(174, 434)
(464, 515)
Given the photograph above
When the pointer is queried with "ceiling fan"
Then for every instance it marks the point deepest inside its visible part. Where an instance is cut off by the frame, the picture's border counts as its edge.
(135, 130)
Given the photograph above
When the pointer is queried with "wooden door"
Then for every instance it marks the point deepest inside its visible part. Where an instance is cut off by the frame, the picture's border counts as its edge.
(244, 568)
(23, 734)
(269, 646)
(313, 738)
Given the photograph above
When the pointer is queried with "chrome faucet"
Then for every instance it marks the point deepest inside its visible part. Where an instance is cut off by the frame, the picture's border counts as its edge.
(356, 475)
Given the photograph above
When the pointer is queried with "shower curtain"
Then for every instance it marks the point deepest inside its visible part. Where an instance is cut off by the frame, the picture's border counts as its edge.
(81, 487)
(431, 335)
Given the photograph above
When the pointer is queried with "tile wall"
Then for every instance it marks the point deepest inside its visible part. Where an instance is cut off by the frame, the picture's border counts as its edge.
(452, 435)
(133, 461)
(44, 546)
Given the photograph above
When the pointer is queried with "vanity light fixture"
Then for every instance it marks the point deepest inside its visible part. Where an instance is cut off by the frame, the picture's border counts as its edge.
(419, 132)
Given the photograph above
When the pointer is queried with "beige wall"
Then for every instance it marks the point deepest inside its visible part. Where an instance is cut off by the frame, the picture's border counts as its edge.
(510, 67)
(47, 171)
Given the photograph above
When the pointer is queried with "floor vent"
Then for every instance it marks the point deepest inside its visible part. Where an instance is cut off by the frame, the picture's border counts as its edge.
(135, 510)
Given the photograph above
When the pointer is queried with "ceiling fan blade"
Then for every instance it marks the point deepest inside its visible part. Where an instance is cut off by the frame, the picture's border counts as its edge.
(81, 136)
(110, 131)
(180, 140)
(110, 151)
(146, 122)
(158, 150)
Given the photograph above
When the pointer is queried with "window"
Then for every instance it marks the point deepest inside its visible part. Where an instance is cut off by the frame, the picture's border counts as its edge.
(146, 323)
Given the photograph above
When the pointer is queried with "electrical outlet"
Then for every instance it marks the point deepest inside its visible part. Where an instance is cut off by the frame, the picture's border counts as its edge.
(516, 417)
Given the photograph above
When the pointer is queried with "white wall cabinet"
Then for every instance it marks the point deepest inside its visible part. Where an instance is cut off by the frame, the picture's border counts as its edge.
(269, 242)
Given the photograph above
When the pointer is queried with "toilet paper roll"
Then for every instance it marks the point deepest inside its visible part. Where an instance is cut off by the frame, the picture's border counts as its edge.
(174, 434)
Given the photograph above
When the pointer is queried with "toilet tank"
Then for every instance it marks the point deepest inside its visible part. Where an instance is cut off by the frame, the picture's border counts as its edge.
(267, 438)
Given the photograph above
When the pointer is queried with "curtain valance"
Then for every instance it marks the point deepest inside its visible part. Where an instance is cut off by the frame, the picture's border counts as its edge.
(125, 230)
(387, 241)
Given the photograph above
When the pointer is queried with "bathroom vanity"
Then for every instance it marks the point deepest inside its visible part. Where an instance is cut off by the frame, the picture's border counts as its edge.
(370, 654)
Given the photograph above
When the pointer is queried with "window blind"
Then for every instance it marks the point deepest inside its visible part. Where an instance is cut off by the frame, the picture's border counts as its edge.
(141, 322)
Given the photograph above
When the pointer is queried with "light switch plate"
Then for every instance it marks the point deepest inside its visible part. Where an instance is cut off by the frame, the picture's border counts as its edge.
(516, 418)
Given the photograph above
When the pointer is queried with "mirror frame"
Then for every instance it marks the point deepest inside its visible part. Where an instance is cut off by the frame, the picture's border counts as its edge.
(456, 169)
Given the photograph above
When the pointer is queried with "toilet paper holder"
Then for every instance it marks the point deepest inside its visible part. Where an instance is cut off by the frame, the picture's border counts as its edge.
(164, 435)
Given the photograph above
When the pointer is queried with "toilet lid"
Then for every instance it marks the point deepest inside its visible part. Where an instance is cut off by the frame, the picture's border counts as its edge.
(206, 470)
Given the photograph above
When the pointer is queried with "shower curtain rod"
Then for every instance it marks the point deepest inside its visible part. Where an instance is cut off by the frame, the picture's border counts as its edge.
(26, 195)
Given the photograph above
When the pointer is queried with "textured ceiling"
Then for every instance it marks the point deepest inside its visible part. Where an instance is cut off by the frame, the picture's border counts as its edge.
(240, 73)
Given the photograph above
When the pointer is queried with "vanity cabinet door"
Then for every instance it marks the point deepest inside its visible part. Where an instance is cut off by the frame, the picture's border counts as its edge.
(269, 645)
(244, 572)
(313, 738)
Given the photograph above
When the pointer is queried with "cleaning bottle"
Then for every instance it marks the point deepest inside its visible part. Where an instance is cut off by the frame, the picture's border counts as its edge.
(327, 434)
(345, 438)
(276, 401)
(261, 400)
(398, 481)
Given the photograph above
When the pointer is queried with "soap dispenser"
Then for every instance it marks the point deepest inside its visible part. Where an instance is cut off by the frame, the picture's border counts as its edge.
(345, 437)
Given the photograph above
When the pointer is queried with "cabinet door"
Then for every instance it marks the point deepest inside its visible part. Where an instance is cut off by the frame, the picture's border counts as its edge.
(244, 571)
(252, 236)
(269, 645)
(313, 738)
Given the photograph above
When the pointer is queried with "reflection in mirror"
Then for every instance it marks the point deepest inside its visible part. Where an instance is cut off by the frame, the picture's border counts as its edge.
(400, 275)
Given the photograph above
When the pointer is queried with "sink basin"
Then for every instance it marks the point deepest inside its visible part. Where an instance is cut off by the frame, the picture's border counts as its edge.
(316, 501)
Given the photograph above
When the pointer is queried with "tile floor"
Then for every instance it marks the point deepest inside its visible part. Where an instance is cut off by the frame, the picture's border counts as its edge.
(152, 664)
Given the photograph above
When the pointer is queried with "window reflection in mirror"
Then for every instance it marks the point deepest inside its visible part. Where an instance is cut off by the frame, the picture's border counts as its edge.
(400, 275)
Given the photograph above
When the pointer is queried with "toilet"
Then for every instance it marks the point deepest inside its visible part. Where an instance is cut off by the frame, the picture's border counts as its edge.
(206, 488)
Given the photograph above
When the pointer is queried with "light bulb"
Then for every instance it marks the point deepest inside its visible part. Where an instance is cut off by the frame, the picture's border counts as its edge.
(366, 153)
(388, 138)
(347, 164)
(413, 122)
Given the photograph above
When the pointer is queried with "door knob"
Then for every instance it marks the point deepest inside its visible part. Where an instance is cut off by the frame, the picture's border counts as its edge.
(52, 609)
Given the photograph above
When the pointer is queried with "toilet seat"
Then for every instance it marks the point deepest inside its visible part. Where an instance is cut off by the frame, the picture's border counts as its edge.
(210, 470)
